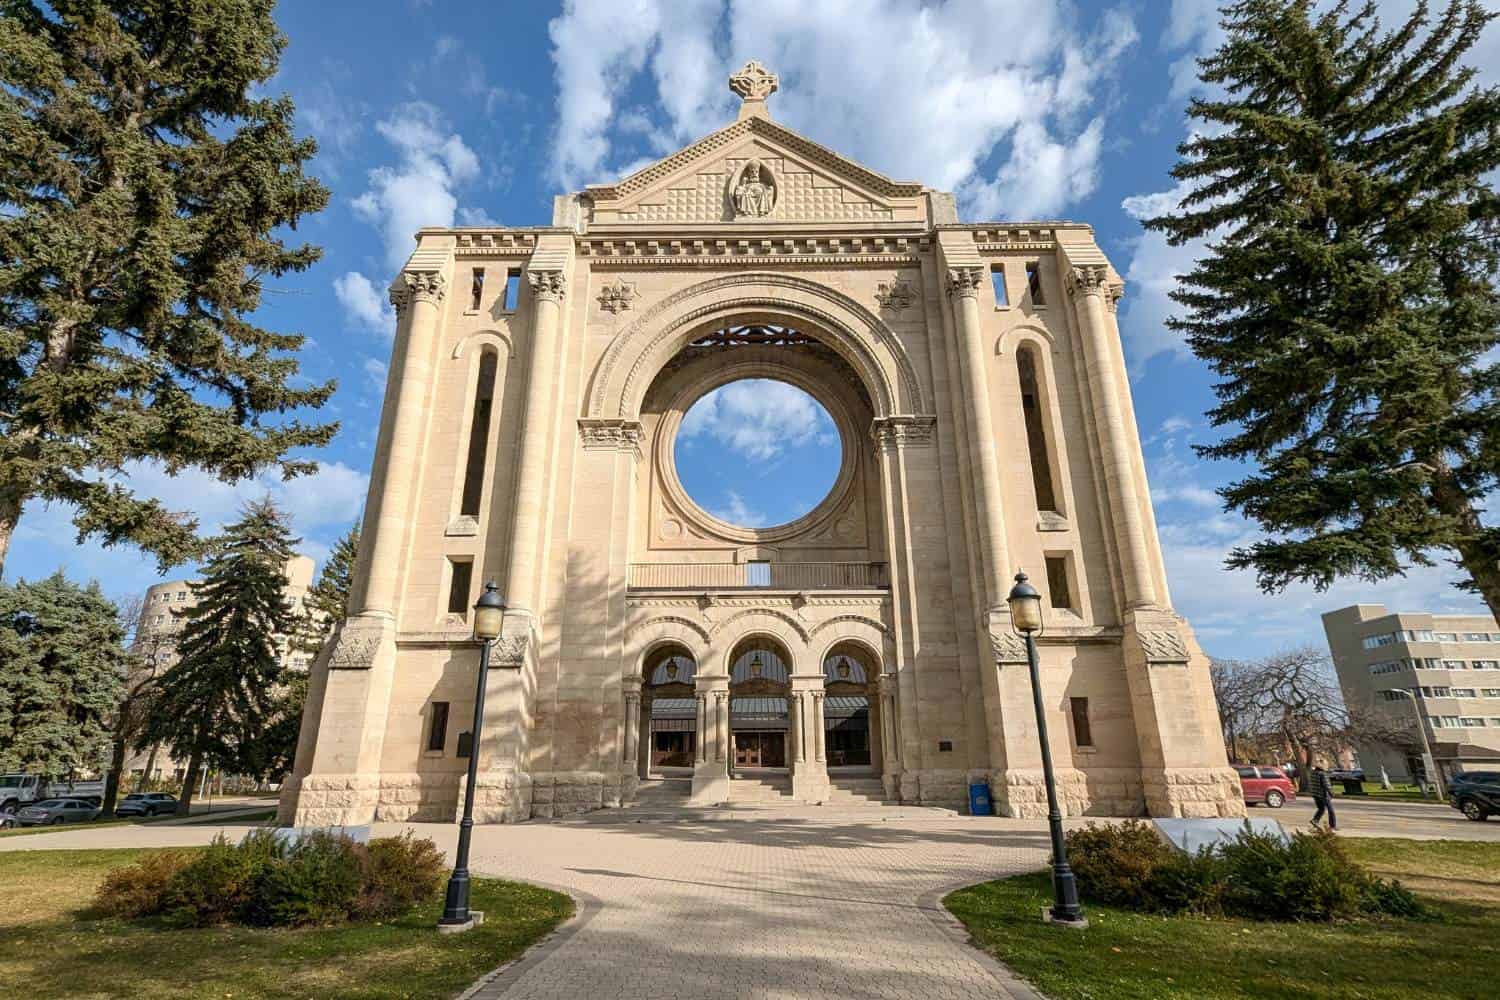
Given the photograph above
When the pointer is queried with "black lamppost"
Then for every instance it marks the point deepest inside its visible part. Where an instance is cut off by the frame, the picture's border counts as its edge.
(1026, 617)
(489, 616)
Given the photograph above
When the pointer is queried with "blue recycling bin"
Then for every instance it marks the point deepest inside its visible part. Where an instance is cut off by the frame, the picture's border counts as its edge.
(979, 799)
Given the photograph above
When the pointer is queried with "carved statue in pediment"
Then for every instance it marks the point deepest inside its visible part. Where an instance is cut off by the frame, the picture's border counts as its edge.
(755, 194)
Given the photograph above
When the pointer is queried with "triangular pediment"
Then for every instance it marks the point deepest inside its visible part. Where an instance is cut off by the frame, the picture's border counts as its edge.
(800, 181)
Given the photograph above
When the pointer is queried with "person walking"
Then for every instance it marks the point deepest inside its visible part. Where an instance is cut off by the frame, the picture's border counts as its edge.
(1322, 794)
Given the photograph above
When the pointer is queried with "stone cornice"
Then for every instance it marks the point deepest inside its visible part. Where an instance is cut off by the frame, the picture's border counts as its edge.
(716, 251)
(610, 434)
(900, 431)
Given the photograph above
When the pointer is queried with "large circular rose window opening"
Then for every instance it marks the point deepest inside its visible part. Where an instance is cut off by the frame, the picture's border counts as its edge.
(758, 453)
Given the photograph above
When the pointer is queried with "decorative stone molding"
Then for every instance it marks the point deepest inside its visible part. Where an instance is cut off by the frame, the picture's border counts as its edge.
(356, 648)
(895, 294)
(610, 434)
(510, 651)
(1164, 647)
(754, 82)
(616, 297)
(899, 432)
(833, 251)
(425, 286)
(547, 286)
(964, 282)
(1008, 647)
(400, 298)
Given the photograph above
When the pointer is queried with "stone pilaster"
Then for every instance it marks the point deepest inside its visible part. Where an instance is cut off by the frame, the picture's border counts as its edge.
(810, 765)
(711, 767)
(890, 743)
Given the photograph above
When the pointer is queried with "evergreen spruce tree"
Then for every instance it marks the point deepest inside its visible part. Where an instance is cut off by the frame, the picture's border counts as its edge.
(1348, 298)
(215, 704)
(144, 188)
(62, 671)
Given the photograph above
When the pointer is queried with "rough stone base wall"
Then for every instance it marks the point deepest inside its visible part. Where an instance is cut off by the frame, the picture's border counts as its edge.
(418, 798)
(332, 800)
(1095, 791)
(500, 796)
(567, 793)
(1204, 792)
(935, 787)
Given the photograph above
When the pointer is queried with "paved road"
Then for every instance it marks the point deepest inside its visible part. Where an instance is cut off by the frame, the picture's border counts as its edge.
(804, 903)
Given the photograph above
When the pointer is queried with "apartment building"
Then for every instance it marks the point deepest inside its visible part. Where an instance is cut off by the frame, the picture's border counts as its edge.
(1444, 669)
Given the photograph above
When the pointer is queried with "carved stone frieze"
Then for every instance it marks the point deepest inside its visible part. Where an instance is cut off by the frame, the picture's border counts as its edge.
(510, 650)
(356, 648)
(610, 434)
(1008, 647)
(895, 295)
(1164, 646)
(898, 432)
(617, 296)
(964, 282)
(547, 286)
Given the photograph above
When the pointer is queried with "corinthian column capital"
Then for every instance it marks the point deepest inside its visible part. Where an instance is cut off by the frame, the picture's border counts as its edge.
(422, 286)
(548, 286)
(400, 298)
(1088, 280)
(963, 282)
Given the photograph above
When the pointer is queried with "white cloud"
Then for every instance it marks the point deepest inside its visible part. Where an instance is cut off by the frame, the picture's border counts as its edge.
(736, 511)
(934, 95)
(757, 419)
(419, 190)
(375, 373)
(363, 305)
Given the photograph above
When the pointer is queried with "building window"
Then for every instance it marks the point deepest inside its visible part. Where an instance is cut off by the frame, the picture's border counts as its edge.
(1388, 667)
(1455, 665)
(1393, 694)
(1486, 665)
(1082, 734)
(1036, 435)
(1471, 722)
(1492, 692)
(997, 282)
(1057, 582)
(479, 434)
(1437, 692)
(758, 573)
(476, 289)
(1463, 692)
(1443, 721)
(512, 288)
(462, 573)
(1423, 635)
(1446, 636)
(1476, 637)
(1034, 283)
(437, 730)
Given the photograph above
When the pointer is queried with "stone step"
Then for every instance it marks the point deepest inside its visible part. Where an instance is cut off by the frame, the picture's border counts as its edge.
(760, 788)
(857, 790)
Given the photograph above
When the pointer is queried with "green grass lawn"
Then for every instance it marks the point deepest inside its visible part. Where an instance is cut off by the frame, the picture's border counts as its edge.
(1128, 955)
(53, 945)
(1396, 793)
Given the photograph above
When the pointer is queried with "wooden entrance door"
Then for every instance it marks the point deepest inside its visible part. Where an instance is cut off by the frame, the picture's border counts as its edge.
(758, 749)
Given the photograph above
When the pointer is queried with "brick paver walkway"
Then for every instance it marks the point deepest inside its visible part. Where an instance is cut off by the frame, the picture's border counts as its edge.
(798, 904)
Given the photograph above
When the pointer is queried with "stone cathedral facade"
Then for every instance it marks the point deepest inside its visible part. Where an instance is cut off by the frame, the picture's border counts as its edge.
(537, 382)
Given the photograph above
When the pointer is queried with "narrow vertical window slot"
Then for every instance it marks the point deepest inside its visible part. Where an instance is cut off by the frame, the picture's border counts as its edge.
(512, 288)
(1082, 734)
(437, 730)
(479, 435)
(476, 294)
(461, 574)
(997, 281)
(1058, 589)
(1036, 434)
(1034, 283)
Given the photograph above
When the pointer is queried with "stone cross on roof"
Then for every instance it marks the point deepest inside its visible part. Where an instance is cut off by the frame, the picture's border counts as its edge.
(754, 83)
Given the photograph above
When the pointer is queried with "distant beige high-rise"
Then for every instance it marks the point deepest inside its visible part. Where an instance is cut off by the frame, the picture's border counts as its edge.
(537, 383)
(1450, 664)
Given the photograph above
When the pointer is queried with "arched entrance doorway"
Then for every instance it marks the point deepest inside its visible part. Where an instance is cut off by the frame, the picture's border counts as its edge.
(759, 684)
(850, 709)
(669, 708)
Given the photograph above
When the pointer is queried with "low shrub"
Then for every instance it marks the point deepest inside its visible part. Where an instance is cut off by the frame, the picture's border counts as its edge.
(322, 878)
(137, 890)
(1114, 861)
(399, 872)
(1307, 877)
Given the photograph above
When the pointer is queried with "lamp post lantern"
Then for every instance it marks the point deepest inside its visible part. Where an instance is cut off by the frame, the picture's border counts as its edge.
(1026, 617)
(489, 616)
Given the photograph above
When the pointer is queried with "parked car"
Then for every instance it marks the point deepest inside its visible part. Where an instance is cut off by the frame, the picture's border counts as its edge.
(1476, 794)
(147, 804)
(1346, 774)
(7, 820)
(1269, 785)
(52, 812)
(19, 789)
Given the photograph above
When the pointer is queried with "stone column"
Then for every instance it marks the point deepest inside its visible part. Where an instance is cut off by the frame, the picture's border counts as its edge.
(700, 740)
(629, 759)
(810, 767)
(963, 290)
(1088, 286)
(795, 752)
(711, 772)
(342, 784)
(548, 288)
(890, 764)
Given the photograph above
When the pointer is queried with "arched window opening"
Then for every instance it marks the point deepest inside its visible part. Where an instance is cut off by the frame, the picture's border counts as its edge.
(847, 673)
(759, 681)
(1036, 435)
(670, 709)
(479, 434)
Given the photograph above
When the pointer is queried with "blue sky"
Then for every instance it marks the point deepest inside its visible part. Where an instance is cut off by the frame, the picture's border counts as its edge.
(437, 112)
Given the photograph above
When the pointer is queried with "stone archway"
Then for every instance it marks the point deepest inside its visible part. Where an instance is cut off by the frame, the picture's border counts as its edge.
(759, 715)
(668, 711)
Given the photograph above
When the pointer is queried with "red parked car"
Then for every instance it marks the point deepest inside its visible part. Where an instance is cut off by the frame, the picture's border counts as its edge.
(1266, 784)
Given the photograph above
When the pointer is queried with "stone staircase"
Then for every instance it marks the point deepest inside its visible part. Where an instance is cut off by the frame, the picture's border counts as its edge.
(861, 791)
(760, 788)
